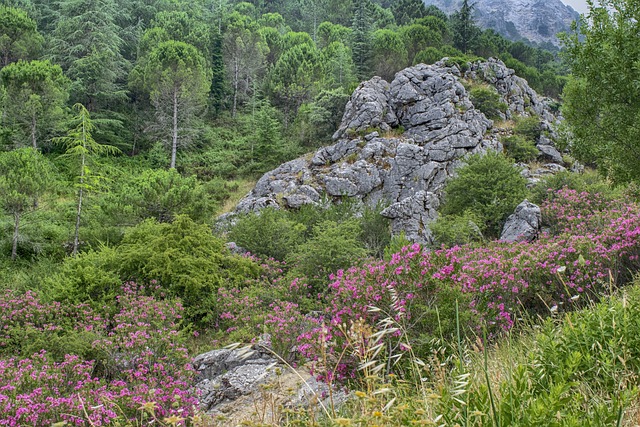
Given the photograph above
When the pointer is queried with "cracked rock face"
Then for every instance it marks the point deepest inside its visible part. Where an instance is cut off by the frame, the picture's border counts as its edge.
(524, 224)
(398, 143)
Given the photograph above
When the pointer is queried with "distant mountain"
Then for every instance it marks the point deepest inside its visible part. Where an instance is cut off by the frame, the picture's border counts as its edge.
(535, 20)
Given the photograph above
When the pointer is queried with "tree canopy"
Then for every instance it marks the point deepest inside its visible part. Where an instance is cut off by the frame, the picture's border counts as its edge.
(602, 99)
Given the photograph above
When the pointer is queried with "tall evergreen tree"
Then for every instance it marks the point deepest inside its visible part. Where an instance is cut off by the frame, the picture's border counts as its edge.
(19, 38)
(244, 50)
(465, 30)
(406, 11)
(178, 81)
(23, 177)
(361, 38)
(86, 42)
(80, 145)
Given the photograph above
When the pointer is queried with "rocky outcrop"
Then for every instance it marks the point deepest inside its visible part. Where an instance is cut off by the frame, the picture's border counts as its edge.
(226, 374)
(398, 143)
(233, 383)
(524, 224)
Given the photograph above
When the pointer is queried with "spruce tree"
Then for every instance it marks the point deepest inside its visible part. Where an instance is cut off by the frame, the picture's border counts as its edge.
(361, 38)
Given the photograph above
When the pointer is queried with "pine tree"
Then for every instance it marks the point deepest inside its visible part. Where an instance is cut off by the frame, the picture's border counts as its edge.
(37, 92)
(19, 38)
(87, 44)
(178, 82)
(24, 176)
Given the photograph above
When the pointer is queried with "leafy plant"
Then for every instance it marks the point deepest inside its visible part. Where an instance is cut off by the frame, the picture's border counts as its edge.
(490, 187)
(520, 149)
(487, 100)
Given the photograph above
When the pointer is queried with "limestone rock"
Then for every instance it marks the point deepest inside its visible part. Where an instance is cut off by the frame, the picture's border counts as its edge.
(224, 375)
(435, 125)
(524, 224)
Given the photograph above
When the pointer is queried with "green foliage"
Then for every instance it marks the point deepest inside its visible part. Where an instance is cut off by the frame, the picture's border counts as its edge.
(490, 187)
(269, 233)
(331, 247)
(464, 29)
(36, 92)
(520, 149)
(487, 100)
(361, 38)
(589, 181)
(318, 120)
(295, 78)
(182, 257)
(417, 38)
(161, 195)
(19, 38)
(529, 128)
(86, 43)
(602, 99)
(178, 81)
(80, 146)
(430, 55)
(406, 11)
(456, 230)
(24, 177)
(389, 53)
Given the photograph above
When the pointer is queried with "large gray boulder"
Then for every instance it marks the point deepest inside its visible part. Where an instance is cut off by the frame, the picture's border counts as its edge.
(226, 374)
(524, 224)
(398, 143)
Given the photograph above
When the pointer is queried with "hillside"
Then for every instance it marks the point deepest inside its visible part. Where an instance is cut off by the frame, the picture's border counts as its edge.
(315, 214)
(538, 21)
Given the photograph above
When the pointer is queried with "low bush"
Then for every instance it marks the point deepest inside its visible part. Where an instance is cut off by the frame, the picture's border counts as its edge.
(451, 230)
(528, 128)
(520, 149)
(270, 233)
(140, 364)
(487, 100)
(182, 257)
(489, 186)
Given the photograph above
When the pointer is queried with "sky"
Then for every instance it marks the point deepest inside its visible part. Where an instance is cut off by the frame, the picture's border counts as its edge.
(579, 5)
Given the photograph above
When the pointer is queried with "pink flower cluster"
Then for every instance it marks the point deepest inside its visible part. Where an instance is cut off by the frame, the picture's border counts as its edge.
(141, 363)
(594, 244)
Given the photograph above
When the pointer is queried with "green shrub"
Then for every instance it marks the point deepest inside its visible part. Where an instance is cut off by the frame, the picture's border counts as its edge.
(270, 233)
(590, 181)
(183, 258)
(529, 128)
(376, 230)
(490, 187)
(520, 149)
(161, 194)
(452, 230)
(332, 246)
(487, 100)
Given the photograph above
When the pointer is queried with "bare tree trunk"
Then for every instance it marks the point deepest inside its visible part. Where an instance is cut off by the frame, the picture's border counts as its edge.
(16, 228)
(174, 138)
(33, 131)
(236, 72)
(76, 235)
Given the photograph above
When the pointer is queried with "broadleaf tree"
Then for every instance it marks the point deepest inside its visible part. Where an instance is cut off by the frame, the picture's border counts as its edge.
(602, 98)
